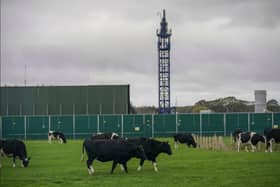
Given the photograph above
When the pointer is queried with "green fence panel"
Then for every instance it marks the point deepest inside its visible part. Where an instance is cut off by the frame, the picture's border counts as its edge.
(276, 119)
(212, 124)
(260, 121)
(85, 126)
(13, 127)
(133, 126)
(164, 125)
(189, 123)
(62, 124)
(1, 132)
(236, 120)
(148, 126)
(37, 127)
(110, 123)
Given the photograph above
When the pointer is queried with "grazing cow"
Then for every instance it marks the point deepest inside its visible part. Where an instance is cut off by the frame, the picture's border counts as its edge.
(152, 149)
(184, 138)
(271, 135)
(118, 151)
(110, 135)
(251, 138)
(56, 135)
(14, 148)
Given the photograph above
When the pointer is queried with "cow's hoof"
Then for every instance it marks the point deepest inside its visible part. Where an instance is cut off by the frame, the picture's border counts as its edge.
(90, 172)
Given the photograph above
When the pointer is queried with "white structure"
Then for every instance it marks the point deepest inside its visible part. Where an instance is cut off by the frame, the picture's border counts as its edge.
(260, 101)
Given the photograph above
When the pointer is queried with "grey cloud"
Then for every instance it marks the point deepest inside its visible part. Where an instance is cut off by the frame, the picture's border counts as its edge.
(219, 47)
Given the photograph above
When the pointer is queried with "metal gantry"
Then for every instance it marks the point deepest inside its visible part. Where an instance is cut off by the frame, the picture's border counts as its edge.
(164, 66)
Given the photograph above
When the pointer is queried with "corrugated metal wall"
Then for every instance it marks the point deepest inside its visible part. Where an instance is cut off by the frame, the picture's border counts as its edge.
(60, 100)
(148, 125)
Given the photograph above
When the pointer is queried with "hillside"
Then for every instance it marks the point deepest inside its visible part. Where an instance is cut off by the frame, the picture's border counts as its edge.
(227, 104)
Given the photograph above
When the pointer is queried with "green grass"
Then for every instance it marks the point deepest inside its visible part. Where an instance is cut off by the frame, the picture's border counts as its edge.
(59, 165)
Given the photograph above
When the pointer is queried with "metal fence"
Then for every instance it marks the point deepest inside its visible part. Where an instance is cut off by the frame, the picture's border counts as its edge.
(148, 125)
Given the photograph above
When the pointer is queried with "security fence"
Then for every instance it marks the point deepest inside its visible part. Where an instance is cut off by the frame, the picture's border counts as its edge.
(147, 125)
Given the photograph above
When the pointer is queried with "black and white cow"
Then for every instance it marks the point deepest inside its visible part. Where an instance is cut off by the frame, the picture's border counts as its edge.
(109, 135)
(118, 151)
(184, 138)
(57, 136)
(152, 149)
(251, 138)
(14, 148)
(271, 135)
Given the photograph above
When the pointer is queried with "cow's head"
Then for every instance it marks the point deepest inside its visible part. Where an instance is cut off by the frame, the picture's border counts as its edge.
(165, 148)
(140, 153)
(114, 136)
(25, 161)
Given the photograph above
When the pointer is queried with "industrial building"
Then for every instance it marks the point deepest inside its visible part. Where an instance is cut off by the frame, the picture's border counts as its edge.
(63, 100)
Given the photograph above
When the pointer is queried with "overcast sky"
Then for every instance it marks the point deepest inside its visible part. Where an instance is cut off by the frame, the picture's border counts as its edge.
(219, 48)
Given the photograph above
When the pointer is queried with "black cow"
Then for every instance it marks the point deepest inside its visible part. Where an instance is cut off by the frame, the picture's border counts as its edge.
(14, 148)
(271, 135)
(56, 135)
(251, 138)
(184, 138)
(99, 136)
(110, 135)
(152, 149)
(118, 151)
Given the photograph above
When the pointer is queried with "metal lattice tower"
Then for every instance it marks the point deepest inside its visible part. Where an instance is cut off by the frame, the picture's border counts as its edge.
(164, 66)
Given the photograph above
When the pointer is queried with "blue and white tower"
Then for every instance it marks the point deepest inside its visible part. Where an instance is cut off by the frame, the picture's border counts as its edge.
(164, 66)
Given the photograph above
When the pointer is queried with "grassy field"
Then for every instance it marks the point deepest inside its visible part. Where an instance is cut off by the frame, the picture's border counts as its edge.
(59, 165)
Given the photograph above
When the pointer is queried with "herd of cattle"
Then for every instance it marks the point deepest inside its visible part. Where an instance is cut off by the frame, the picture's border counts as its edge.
(110, 147)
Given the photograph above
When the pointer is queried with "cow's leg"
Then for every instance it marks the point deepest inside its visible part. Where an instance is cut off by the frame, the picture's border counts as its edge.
(155, 165)
(89, 166)
(125, 167)
(253, 147)
(121, 166)
(238, 145)
(82, 157)
(140, 165)
(246, 149)
(114, 166)
(175, 145)
(270, 147)
(50, 139)
(267, 146)
(14, 161)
